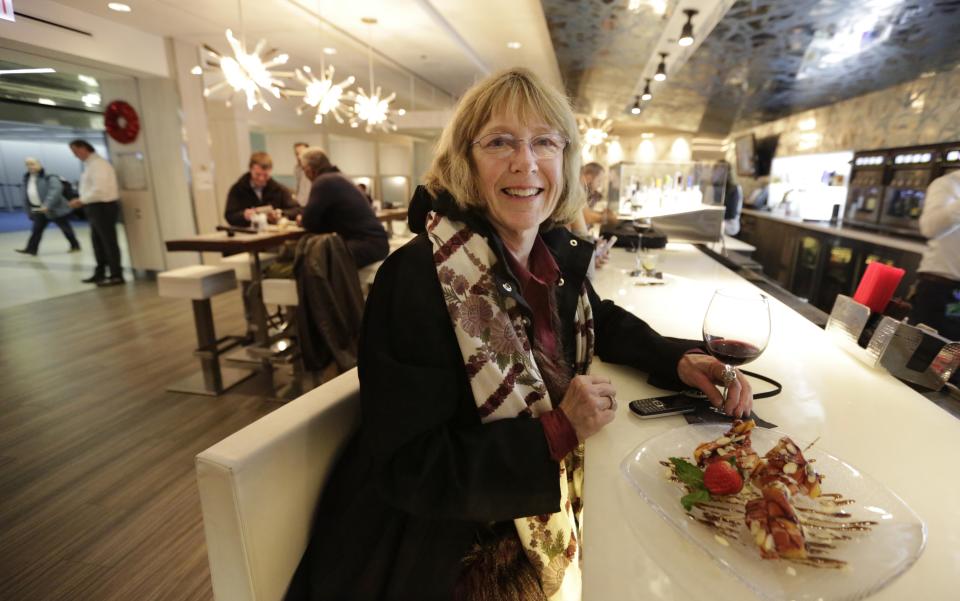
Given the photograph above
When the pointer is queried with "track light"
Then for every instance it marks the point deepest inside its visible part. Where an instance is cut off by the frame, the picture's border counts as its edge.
(646, 92)
(635, 109)
(686, 34)
(661, 73)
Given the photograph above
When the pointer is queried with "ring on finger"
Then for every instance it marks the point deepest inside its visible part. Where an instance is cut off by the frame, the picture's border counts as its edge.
(613, 403)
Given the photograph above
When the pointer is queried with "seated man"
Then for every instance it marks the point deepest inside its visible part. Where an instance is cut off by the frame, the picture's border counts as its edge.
(257, 189)
(336, 205)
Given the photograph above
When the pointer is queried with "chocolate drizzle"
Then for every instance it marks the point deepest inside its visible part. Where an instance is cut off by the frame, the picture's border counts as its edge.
(825, 527)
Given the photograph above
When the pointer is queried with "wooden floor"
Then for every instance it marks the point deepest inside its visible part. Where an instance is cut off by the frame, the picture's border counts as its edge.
(98, 499)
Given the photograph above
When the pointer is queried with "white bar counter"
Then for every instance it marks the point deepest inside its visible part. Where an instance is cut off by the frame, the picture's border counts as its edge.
(861, 415)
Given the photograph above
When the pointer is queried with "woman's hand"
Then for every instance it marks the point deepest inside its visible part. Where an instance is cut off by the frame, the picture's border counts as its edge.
(704, 372)
(590, 404)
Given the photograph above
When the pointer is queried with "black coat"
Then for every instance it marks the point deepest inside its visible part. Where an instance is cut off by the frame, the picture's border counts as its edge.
(424, 477)
(336, 205)
(242, 197)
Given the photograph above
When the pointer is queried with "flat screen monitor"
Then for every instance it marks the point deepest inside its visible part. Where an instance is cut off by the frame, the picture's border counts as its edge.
(765, 149)
(746, 156)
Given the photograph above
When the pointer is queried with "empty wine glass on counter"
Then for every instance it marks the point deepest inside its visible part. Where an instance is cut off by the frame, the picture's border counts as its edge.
(736, 329)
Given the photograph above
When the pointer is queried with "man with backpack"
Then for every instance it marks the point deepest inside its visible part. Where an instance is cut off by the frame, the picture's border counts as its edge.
(45, 202)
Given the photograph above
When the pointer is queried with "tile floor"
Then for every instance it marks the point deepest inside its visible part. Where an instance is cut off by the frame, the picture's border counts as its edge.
(54, 271)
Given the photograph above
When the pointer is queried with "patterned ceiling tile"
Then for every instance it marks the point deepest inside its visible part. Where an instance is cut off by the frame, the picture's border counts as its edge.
(602, 47)
(764, 59)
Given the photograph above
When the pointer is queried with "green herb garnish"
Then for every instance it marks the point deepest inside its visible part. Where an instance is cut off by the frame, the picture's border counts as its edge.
(699, 496)
(692, 476)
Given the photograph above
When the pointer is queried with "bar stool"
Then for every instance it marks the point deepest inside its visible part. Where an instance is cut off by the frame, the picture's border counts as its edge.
(240, 263)
(200, 283)
(283, 292)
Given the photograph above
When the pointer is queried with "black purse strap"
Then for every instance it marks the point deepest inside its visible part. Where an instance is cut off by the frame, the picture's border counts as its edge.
(764, 395)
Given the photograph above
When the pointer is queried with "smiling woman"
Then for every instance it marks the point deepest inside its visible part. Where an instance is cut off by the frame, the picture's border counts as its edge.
(465, 479)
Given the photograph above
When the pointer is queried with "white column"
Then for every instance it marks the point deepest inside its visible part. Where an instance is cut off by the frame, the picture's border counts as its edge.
(230, 144)
(196, 139)
(132, 164)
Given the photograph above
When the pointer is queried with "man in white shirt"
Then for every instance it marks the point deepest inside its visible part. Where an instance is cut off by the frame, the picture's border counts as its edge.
(99, 198)
(302, 181)
(936, 295)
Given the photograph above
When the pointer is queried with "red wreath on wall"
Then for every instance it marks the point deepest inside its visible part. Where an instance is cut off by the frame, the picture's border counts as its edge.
(122, 122)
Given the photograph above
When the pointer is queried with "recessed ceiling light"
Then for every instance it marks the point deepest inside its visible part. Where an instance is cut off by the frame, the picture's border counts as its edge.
(25, 71)
(646, 135)
(401, 112)
(514, 45)
(197, 70)
(46, 101)
(329, 51)
(120, 7)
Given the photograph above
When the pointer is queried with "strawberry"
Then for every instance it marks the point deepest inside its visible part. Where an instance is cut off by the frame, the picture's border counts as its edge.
(722, 478)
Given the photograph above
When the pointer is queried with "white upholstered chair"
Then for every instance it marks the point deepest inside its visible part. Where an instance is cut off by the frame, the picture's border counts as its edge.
(259, 488)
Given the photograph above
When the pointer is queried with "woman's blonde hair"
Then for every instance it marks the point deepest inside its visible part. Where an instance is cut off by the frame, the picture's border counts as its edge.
(516, 91)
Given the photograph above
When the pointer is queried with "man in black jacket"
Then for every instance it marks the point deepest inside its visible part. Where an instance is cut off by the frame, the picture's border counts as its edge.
(257, 189)
(336, 205)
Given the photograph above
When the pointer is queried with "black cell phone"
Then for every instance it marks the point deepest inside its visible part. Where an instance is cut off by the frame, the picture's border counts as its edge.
(675, 404)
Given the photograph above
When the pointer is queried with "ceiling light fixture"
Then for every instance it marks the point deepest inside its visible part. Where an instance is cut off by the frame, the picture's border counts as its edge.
(686, 34)
(595, 131)
(514, 45)
(46, 101)
(25, 71)
(90, 81)
(120, 7)
(196, 70)
(661, 73)
(91, 100)
(635, 109)
(249, 72)
(657, 6)
(646, 92)
(372, 109)
(321, 92)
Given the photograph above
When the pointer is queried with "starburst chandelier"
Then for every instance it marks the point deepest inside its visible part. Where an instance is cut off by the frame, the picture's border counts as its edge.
(322, 93)
(595, 131)
(248, 72)
(372, 109)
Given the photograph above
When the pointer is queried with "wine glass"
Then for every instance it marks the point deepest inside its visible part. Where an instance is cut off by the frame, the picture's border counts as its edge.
(736, 329)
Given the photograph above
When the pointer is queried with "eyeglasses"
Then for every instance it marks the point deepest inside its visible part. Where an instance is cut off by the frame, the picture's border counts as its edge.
(501, 146)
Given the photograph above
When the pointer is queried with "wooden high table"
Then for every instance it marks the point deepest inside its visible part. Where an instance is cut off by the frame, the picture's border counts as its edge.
(862, 415)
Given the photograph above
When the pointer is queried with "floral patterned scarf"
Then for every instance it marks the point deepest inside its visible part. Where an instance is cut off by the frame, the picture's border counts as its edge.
(507, 383)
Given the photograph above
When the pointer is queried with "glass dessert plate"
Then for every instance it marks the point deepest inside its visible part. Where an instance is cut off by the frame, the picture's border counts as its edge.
(881, 536)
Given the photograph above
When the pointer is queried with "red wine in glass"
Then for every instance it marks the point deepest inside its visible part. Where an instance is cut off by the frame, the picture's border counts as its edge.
(732, 352)
(736, 329)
